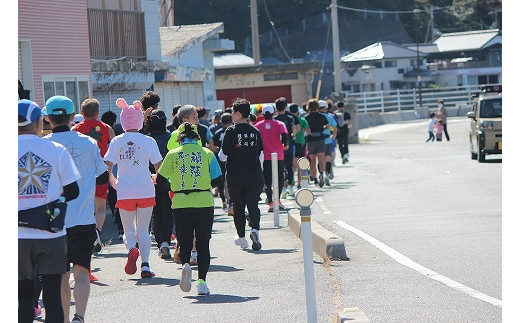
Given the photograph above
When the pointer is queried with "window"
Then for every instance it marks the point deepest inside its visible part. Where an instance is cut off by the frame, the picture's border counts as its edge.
(378, 64)
(488, 79)
(75, 88)
(390, 63)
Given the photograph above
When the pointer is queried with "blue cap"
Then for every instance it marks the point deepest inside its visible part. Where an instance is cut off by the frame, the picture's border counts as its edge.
(29, 112)
(59, 105)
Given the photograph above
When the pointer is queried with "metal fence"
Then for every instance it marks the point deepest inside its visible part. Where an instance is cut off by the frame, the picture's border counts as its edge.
(405, 100)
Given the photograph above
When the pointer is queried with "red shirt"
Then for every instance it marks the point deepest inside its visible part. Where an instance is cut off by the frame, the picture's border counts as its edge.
(97, 130)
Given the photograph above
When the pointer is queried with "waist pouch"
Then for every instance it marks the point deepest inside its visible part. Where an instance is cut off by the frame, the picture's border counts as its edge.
(317, 135)
(49, 217)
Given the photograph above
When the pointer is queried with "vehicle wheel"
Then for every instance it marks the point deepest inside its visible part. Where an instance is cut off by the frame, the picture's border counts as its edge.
(481, 155)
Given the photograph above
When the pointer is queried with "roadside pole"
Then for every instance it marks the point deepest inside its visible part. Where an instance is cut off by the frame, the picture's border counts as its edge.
(274, 174)
(304, 198)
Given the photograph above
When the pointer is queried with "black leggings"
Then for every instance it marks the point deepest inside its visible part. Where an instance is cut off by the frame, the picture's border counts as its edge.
(199, 220)
(51, 296)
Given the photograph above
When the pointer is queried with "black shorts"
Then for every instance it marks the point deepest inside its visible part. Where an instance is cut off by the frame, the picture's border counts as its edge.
(42, 257)
(299, 150)
(80, 242)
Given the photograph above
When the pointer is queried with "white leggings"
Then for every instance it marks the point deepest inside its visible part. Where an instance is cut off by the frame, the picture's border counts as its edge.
(135, 224)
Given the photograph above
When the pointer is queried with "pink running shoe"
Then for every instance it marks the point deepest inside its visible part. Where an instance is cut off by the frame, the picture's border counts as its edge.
(131, 266)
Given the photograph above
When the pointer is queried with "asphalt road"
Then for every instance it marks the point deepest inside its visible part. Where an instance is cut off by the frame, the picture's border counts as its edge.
(422, 225)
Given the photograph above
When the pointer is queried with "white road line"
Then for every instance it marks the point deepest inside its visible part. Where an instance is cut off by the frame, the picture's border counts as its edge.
(402, 259)
(322, 207)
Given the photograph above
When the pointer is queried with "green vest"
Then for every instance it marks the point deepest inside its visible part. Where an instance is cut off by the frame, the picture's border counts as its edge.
(187, 167)
(172, 142)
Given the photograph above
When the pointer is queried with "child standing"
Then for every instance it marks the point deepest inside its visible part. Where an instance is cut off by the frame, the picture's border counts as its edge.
(430, 127)
(439, 128)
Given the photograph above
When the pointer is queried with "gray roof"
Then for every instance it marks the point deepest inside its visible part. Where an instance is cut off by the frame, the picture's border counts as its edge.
(382, 50)
(470, 40)
(232, 60)
(423, 48)
(178, 39)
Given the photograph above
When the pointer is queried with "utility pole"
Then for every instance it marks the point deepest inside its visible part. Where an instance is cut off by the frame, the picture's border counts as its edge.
(415, 13)
(254, 33)
(335, 46)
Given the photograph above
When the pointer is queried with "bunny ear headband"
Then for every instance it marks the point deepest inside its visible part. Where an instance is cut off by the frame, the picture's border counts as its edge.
(131, 115)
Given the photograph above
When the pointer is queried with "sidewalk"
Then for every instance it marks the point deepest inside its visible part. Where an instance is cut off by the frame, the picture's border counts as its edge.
(246, 286)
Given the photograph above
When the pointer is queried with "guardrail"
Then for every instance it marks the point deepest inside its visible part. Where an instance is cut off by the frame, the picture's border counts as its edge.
(406, 100)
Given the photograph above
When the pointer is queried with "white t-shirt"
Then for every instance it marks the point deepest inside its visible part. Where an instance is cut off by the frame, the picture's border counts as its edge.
(132, 152)
(44, 167)
(85, 152)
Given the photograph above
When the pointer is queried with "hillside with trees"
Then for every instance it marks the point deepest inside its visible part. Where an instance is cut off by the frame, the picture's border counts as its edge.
(448, 15)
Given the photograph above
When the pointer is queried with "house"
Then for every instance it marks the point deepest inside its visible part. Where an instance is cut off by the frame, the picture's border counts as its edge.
(53, 49)
(238, 77)
(384, 66)
(466, 58)
(190, 78)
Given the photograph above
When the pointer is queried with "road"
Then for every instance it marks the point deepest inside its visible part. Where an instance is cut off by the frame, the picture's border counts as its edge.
(422, 226)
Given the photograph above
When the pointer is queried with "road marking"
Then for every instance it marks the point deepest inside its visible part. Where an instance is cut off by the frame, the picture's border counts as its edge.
(323, 208)
(402, 259)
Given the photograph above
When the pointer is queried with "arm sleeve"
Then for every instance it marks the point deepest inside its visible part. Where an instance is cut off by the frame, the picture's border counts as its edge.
(70, 191)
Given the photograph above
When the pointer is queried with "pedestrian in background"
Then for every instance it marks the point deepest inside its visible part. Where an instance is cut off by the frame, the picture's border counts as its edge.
(442, 115)
(41, 253)
(110, 119)
(292, 125)
(132, 152)
(241, 147)
(275, 139)
(431, 124)
(299, 140)
(316, 139)
(80, 222)
(344, 125)
(438, 127)
(162, 217)
(102, 133)
(190, 172)
(329, 133)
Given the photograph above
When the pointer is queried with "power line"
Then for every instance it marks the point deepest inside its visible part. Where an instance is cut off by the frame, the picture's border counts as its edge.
(405, 11)
(276, 33)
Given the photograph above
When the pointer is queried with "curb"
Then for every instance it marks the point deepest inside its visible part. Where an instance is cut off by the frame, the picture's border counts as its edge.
(324, 243)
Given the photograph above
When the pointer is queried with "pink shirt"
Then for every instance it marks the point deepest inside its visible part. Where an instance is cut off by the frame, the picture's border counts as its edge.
(271, 131)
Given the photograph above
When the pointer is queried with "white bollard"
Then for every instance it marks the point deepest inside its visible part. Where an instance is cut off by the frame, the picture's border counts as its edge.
(304, 199)
(274, 172)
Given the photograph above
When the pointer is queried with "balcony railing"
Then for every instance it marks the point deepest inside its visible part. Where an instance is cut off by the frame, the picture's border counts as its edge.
(116, 34)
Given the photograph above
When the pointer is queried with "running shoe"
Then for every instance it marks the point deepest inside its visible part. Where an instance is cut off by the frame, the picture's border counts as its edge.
(331, 173)
(185, 283)
(164, 251)
(271, 207)
(121, 234)
(281, 207)
(290, 191)
(255, 237)
(321, 180)
(146, 272)
(202, 287)
(131, 267)
(37, 311)
(193, 258)
(241, 242)
(284, 194)
(78, 319)
(327, 181)
(230, 211)
(176, 256)
(92, 278)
